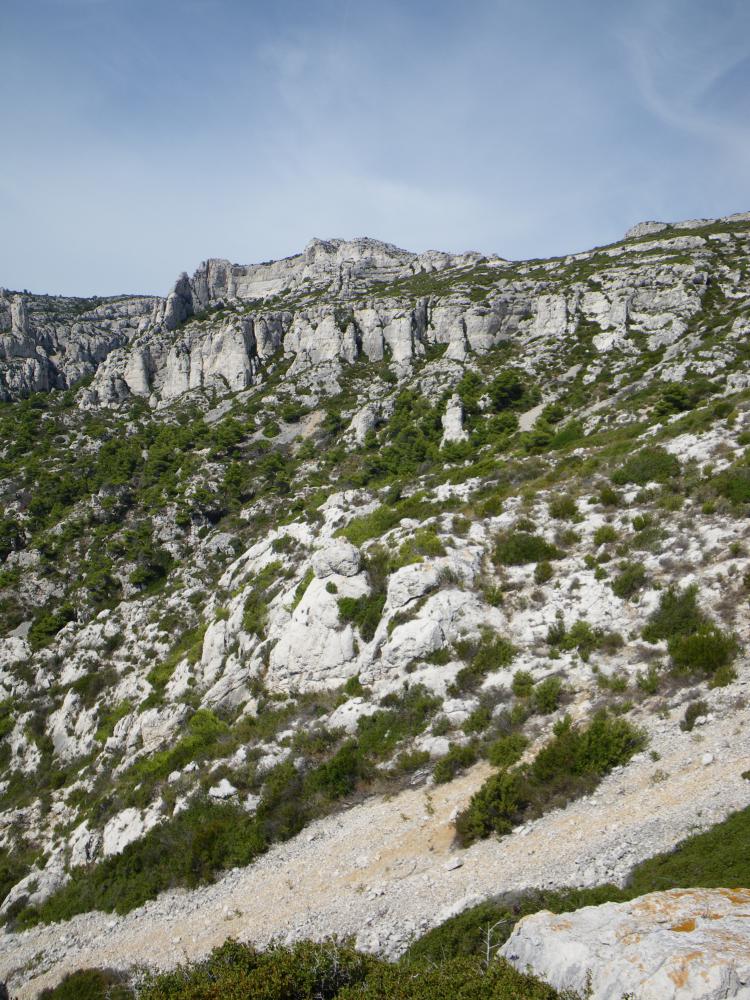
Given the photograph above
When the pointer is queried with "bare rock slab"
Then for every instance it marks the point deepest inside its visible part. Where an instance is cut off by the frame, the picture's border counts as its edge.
(684, 944)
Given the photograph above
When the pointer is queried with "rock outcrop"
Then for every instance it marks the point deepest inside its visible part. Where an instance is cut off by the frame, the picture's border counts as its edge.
(684, 944)
(50, 342)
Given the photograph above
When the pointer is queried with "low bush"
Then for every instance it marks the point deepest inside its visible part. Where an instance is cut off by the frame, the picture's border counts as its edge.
(546, 696)
(734, 485)
(694, 711)
(706, 651)
(517, 548)
(90, 984)
(630, 579)
(333, 970)
(570, 765)
(582, 637)
(523, 684)
(490, 654)
(456, 760)
(403, 716)
(696, 645)
(604, 534)
(677, 614)
(365, 612)
(255, 612)
(507, 750)
(564, 508)
(650, 465)
(47, 624)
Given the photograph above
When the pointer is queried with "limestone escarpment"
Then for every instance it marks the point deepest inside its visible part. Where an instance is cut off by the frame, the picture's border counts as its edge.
(471, 308)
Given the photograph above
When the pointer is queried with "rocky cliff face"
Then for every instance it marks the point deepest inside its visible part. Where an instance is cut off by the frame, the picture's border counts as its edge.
(333, 524)
(48, 342)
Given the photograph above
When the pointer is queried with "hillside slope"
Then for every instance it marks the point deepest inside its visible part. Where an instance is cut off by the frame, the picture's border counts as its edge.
(342, 526)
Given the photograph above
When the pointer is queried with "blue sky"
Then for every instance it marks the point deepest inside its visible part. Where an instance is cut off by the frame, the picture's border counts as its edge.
(142, 136)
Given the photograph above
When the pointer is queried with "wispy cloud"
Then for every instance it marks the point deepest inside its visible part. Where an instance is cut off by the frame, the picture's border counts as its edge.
(678, 52)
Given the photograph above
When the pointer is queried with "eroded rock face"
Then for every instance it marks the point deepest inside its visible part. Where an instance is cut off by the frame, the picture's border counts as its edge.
(685, 944)
(48, 342)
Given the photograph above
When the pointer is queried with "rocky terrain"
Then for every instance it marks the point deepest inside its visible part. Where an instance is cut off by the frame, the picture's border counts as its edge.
(309, 552)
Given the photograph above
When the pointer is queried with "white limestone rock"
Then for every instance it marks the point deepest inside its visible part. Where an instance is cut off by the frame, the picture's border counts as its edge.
(645, 229)
(314, 651)
(84, 845)
(683, 944)
(129, 825)
(347, 716)
(453, 421)
(223, 790)
(37, 886)
(338, 557)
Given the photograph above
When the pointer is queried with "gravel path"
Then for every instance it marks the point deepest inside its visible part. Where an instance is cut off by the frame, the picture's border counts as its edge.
(384, 871)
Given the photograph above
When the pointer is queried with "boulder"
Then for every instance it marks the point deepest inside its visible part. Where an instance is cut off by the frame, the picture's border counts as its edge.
(129, 825)
(339, 557)
(683, 944)
(223, 790)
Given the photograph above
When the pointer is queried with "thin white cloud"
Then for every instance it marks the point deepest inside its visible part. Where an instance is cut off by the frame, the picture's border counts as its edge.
(674, 66)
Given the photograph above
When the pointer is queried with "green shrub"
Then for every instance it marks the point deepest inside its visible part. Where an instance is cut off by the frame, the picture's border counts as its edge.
(604, 534)
(650, 681)
(734, 484)
(630, 579)
(90, 984)
(185, 850)
(339, 776)
(456, 760)
(705, 651)
(608, 497)
(46, 625)
(516, 548)
(478, 720)
(650, 465)
(564, 508)
(546, 696)
(507, 750)
(11, 537)
(678, 614)
(523, 684)
(570, 765)
(403, 716)
(679, 397)
(694, 711)
(255, 612)
(333, 970)
(382, 519)
(543, 572)
(452, 979)
(582, 637)
(492, 653)
(302, 586)
(365, 612)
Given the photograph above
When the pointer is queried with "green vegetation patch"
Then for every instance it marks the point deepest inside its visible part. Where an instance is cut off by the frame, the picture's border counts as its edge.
(491, 652)
(650, 465)
(334, 970)
(696, 645)
(516, 548)
(571, 765)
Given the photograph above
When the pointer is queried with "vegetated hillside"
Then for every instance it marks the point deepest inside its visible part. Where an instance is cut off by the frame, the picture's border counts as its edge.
(327, 527)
